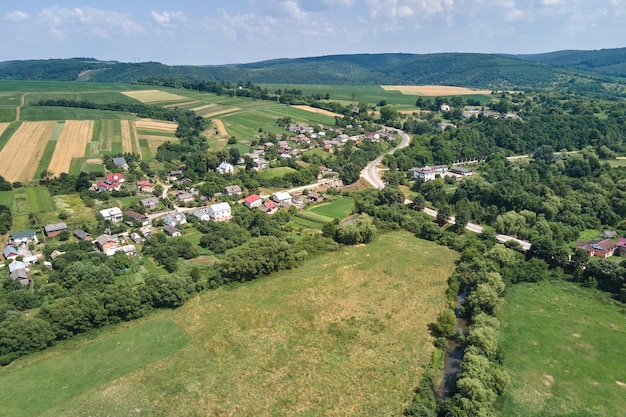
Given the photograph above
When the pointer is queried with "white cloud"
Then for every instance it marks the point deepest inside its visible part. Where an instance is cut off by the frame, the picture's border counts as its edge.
(16, 16)
(168, 19)
(101, 23)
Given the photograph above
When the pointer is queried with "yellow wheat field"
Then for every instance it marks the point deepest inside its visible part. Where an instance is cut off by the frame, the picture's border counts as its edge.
(219, 125)
(318, 111)
(204, 107)
(433, 90)
(127, 139)
(158, 125)
(20, 157)
(72, 143)
(3, 127)
(154, 96)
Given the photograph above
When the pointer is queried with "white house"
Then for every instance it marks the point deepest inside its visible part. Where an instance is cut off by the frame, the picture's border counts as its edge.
(281, 196)
(201, 215)
(220, 211)
(428, 173)
(225, 168)
(174, 218)
(113, 214)
(24, 236)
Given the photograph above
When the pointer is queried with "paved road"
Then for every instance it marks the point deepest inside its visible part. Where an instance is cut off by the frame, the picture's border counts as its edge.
(370, 172)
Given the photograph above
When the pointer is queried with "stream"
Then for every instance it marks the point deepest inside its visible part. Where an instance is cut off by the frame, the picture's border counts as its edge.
(454, 352)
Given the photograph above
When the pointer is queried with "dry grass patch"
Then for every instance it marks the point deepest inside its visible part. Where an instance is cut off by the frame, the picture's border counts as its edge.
(127, 139)
(204, 107)
(218, 111)
(71, 144)
(317, 111)
(153, 96)
(185, 103)
(3, 127)
(20, 157)
(155, 141)
(159, 125)
(219, 125)
(433, 90)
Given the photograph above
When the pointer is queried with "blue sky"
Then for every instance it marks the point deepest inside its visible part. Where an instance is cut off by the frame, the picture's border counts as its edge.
(233, 31)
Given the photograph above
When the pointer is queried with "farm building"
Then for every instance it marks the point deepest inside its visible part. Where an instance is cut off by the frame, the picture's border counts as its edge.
(149, 203)
(113, 214)
(172, 231)
(233, 190)
(120, 162)
(185, 197)
(127, 250)
(220, 211)
(54, 229)
(459, 170)
(281, 196)
(201, 215)
(24, 236)
(106, 242)
(145, 186)
(82, 235)
(315, 197)
(137, 217)
(602, 248)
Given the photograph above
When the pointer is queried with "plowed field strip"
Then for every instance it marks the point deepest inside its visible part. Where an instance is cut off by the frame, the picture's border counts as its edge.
(156, 125)
(127, 144)
(71, 144)
(20, 157)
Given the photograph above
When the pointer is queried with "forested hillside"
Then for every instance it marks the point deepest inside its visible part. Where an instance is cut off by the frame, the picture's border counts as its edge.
(575, 71)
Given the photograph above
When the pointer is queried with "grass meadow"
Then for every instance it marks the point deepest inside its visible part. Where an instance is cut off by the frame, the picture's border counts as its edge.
(344, 334)
(275, 172)
(337, 209)
(564, 349)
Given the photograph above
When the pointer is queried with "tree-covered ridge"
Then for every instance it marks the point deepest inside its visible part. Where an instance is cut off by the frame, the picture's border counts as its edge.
(587, 71)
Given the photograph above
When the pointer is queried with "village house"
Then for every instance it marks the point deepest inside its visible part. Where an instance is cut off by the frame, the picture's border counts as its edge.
(232, 190)
(621, 246)
(201, 215)
(145, 186)
(185, 198)
(460, 170)
(602, 248)
(82, 235)
(54, 229)
(314, 197)
(111, 182)
(128, 250)
(149, 203)
(220, 211)
(172, 231)
(134, 236)
(174, 218)
(18, 271)
(252, 201)
(225, 168)
(146, 231)
(10, 252)
(113, 214)
(22, 237)
(142, 219)
(106, 242)
(281, 196)
(428, 173)
(268, 207)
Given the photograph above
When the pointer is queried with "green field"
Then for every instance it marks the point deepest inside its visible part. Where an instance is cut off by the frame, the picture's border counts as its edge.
(146, 154)
(63, 378)
(156, 133)
(39, 199)
(337, 209)
(99, 97)
(275, 172)
(6, 198)
(343, 334)
(8, 132)
(40, 113)
(7, 114)
(564, 349)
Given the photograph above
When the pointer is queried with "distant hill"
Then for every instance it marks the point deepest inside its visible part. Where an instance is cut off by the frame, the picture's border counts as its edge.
(588, 71)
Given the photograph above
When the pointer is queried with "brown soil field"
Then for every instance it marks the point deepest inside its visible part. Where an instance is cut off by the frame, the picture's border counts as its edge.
(318, 111)
(3, 127)
(20, 157)
(71, 144)
(127, 140)
(153, 96)
(149, 124)
(433, 90)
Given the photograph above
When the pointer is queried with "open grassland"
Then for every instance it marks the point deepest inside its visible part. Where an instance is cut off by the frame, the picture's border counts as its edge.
(31, 200)
(337, 209)
(6, 198)
(110, 131)
(347, 94)
(7, 114)
(20, 157)
(60, 378)
(41, 113)
(71, 144)
(216, 110)
(318, 111)
(344, 334)
(217, 136)
(564, 349)
(155, 96)
(434, 90)
(99, 97)
(270, 173)
(146, 152)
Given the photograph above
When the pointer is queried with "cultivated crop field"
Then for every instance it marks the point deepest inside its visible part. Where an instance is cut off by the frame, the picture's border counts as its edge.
(564, 349)
(21, 155)
(71, 144)
(318, 111)
(434, 90)
(344, 334)
(154, 96)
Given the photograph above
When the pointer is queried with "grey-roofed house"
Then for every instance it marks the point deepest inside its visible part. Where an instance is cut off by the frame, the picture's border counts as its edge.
(120, 161)
(138, 217)
(150, 202)
(82, 235)
(54, 229)
(233, 190)
(220, 211)
(10, 252)
(172, 231)
(21, 276)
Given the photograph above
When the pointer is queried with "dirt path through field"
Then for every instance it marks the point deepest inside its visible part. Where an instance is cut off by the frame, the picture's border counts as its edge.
(72, 143)
(20, 157)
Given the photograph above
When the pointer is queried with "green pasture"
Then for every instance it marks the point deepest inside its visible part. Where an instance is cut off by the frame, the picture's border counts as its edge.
(31, 200)
(110, 132)
(318, 152)
(8, 132)
(40, 113)
(337, 209)
(69, 375)
(7, 114)
(278, 172)
(49, 149)
(343, 334)
(371, 94)
(6, 198)
(10, 99)
(98, 97)
(306, 223)
(563, 347)
(146, 154)
(156, 133)
(28, 86)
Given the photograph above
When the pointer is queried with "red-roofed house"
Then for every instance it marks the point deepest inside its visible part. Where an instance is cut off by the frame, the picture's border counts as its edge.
(252, 201)
(621, 246)
(602, 248)
(111, 182)
(145, 186)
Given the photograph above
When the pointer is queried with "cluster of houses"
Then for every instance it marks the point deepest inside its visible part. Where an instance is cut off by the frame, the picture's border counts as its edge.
(429, 173)
(280, 200)
(17, 247)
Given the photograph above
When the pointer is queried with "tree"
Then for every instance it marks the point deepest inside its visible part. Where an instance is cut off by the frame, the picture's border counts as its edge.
(446, 323)
(461, 220)
(388, 114)
(443, 215)
(544, 155)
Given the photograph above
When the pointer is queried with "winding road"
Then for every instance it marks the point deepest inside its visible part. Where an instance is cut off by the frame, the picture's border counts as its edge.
(371, 174)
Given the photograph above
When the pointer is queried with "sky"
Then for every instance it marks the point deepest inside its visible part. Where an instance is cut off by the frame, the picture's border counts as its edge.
(214, 32)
